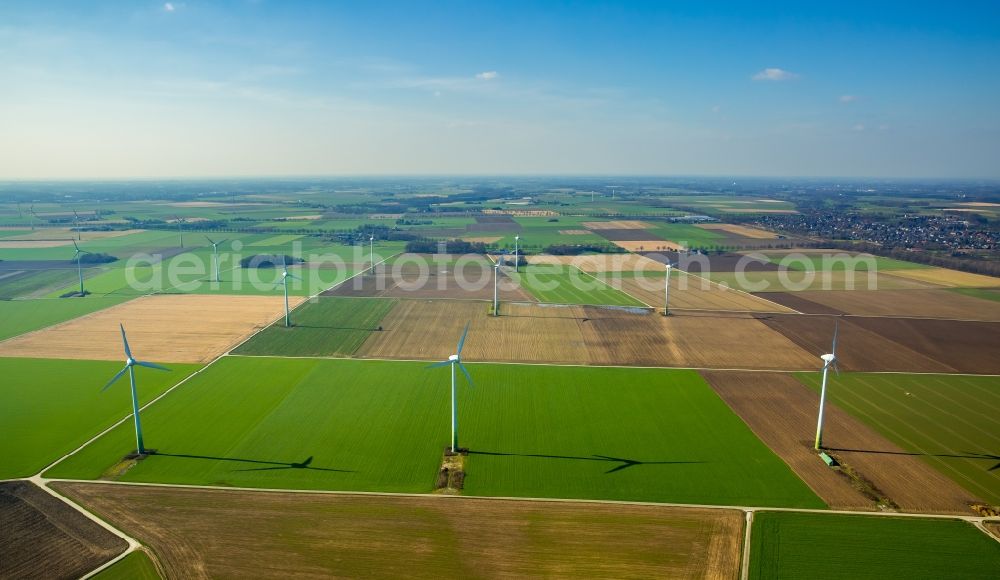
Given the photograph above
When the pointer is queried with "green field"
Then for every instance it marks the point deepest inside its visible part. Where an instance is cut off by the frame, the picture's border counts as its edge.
(539, 232)
(20, 316)
(193, 271)
(984, 293)
(686, 234)
(135, 566)
(324, 326)
(37, 283)
(608, 433)
(568, 285)
(50, 407)
(951, 421)
(798, 545)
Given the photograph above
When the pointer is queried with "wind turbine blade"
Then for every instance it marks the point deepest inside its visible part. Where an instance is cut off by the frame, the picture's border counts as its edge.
(76, 246)
(440, 364)
(465, 372)
(128, 351)
(210, 240)
(836, 332)
(294, 276)
(115, 378)
(150, 365)
(222, 241)
(461, 341)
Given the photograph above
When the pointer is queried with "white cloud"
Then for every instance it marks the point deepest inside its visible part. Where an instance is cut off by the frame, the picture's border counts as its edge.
(774, 74)
(488, 75)
(169, 6)
(848, 98)
(859, 127)
(716, 109)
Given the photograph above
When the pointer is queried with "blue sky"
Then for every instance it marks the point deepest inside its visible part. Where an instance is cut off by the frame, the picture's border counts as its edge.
(193, 88)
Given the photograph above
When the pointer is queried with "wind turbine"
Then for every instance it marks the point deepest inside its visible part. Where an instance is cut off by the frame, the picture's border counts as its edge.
(215, 254)
(455, 360)
(829, 360)
(517, 239)
(372, 241)
(34, 216)
(130, 364)
(496, 295)
(666, 292)
(284, 283)
(79, 269)
(76, 224)
(180, 229)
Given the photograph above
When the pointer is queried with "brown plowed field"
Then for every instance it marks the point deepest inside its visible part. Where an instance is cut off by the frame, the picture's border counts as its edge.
(694, 293)
(929, 303)
(801, 281)
(700, 263)
(184, 328)
(859, 349)
(417, 329)
(239, 534)
(43, 537)
(966, 347)
(898, 344)
(796, 301)
(594, 263)
(466, 279)
(782, 412)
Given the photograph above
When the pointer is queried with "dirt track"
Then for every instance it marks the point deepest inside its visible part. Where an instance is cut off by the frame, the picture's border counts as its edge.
(168, 328)
(43, 537)
(233, 534)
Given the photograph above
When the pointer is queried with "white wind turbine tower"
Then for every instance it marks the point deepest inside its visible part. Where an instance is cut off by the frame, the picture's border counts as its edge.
(215, 254)
(130, 364)
(284, 283)
(371, 240)
(666, 292)
(496, 295)
(79, 269)
(517, 240)
(829, 360)
(455, 360)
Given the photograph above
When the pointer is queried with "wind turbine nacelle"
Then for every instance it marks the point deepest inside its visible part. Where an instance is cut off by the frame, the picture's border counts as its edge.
(828, 358)
(453, 357)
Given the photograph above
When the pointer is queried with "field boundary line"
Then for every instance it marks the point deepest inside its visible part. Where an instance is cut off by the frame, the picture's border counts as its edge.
(443, 497)
(595, 366)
